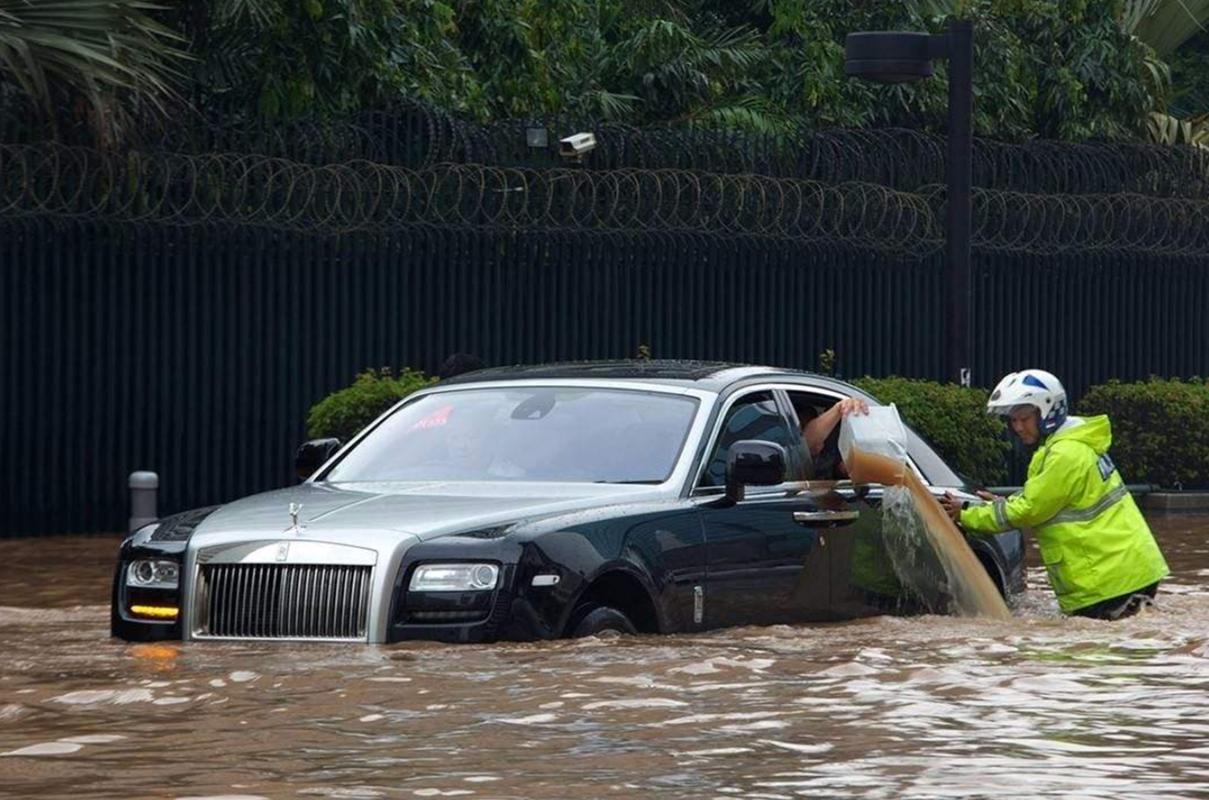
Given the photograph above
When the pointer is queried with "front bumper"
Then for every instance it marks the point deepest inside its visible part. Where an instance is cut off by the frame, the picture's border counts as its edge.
(515, 610)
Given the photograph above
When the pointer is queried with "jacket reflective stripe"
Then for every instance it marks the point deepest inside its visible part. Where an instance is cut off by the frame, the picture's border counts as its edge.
(1091, 512)
(1001, 517)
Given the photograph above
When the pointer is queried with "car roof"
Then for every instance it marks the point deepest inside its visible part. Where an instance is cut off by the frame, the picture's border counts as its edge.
(708, 375)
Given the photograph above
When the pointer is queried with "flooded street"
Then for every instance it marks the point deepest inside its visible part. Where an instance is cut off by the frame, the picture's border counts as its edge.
(1037, 705)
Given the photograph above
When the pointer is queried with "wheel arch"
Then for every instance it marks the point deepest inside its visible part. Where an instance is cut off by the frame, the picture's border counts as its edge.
(622, 586)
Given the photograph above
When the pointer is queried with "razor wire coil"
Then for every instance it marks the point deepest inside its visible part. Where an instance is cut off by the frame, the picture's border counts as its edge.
(416, 135)
(183, 189)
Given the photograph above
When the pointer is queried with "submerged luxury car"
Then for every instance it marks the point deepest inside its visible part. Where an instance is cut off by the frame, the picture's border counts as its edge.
(547, 501)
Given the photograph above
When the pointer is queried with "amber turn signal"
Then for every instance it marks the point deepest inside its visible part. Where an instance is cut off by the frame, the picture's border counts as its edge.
(155, 612)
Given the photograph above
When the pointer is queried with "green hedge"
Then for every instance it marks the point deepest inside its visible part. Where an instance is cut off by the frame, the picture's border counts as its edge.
(344, 413)
(1160, 429)
(954, 420)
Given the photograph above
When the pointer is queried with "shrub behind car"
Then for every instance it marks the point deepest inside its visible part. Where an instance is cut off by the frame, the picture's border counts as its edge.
(344, 413)
(1160, 429)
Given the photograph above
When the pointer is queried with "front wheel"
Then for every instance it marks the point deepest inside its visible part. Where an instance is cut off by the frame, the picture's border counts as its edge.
(590, 620)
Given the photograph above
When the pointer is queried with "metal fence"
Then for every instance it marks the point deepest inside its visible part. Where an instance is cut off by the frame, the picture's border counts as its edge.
(180, 309)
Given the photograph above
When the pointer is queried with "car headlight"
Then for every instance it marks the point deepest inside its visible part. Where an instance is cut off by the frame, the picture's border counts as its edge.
(153, 573)
(454, 577)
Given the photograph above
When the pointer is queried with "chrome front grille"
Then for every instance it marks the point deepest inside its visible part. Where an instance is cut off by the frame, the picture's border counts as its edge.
(283, 601)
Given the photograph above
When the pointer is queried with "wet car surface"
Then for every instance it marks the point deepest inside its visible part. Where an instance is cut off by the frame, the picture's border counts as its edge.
(536, 502)
(882, 707)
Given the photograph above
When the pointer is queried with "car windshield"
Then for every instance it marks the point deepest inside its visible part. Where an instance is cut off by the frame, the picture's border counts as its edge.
(526, 434)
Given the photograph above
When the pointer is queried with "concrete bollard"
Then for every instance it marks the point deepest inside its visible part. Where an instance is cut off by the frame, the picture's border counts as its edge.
(143, 488)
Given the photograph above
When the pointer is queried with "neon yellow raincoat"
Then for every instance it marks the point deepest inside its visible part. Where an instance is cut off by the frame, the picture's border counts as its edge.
(1094, 541)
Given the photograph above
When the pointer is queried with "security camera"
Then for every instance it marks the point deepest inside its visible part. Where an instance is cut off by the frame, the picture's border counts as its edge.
(577, 145)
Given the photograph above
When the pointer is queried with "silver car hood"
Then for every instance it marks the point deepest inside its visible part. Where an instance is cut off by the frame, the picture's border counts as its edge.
(342, 512)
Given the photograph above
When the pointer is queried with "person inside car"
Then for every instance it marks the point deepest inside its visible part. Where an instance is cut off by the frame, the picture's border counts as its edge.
(472, 448)
(821, 435)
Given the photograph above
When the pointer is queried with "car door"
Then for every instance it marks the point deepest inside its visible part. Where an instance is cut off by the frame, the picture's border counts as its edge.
(765, 557)
(866, 561)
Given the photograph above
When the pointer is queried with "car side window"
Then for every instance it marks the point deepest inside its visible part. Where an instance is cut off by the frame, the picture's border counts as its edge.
(826, 464)
(753, 416)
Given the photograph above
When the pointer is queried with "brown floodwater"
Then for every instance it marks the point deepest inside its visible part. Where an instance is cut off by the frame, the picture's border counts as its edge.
(1037, 705)
(974, 595)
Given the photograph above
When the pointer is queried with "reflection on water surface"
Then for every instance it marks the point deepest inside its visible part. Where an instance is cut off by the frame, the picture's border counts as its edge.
(925, 707)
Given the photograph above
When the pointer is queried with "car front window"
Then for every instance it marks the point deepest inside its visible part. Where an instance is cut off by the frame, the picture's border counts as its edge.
(574, 434)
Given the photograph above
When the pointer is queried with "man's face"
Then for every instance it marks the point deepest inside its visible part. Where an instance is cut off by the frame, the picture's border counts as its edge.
(1026, 423)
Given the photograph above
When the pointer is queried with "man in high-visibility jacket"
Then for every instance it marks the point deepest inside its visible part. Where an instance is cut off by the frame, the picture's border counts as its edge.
(1100, 555)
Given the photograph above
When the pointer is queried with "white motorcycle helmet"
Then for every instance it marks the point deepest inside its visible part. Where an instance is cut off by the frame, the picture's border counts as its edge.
(1031, 387)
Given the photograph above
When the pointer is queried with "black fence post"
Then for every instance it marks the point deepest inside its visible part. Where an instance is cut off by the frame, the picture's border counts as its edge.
(959, 209)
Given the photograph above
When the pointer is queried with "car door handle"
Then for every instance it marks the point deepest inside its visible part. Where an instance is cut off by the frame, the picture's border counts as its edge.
(825, 517)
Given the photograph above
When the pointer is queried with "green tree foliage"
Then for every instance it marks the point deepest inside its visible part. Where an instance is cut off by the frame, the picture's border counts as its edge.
(954, 420)
(344, 413)
(274, 59)
(1068, 70)
(1072, 70)
(92, 61)
(1190, 79)
(1061, 70)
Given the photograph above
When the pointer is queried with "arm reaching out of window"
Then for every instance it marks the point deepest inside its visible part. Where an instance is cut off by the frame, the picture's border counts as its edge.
(816, 431)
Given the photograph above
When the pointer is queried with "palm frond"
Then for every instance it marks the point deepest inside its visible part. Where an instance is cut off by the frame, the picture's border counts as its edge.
(1169, 130)
(1164, 24)
(676, 68)
(936, 8)
(90, 47)
(735, 49)
(257, 13)
(749, 113)
(610, 106)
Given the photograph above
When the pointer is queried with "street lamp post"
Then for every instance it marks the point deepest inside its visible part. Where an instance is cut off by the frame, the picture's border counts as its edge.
(899, 57)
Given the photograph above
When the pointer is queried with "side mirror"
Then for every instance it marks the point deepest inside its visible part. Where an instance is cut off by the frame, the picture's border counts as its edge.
(753, 462)
(312, 454)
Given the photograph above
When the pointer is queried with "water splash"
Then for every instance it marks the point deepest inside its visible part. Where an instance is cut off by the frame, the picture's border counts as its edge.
(921, 524)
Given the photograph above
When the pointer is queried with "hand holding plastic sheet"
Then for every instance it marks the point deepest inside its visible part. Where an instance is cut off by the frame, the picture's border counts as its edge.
(879, 432)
